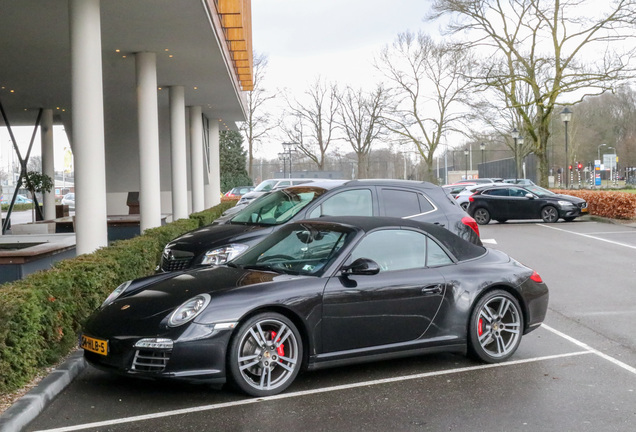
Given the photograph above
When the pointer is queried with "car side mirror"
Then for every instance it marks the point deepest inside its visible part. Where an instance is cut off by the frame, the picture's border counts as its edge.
(361, 267)
(530, 196)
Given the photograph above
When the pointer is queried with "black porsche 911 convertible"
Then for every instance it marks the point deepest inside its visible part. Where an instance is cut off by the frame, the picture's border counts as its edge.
(316, 294)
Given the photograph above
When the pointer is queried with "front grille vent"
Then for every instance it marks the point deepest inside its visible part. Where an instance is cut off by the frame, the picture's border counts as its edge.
(174, 259)
(175, 264)
(150, 360)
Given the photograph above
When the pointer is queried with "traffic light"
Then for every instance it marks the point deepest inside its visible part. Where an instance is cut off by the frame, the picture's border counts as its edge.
(570, 167)
(580, 166)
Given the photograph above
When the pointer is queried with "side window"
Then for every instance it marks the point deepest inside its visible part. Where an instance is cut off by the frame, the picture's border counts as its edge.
(435, 255)
(283, 184)
(400, 203)
(497, 192)
(393, 249)
(357, 202)
(516, 192)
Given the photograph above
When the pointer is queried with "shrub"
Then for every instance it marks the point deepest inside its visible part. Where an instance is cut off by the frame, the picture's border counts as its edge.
(610, 204)
(41, 315)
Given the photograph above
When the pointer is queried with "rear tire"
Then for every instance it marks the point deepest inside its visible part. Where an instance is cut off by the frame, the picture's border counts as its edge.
(464, 206)
(495, 327)
(482, 216)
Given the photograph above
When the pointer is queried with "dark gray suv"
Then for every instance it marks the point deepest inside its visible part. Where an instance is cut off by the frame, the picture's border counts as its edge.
(220, 242)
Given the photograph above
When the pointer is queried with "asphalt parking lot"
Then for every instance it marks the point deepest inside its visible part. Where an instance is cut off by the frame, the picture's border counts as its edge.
(576, 373)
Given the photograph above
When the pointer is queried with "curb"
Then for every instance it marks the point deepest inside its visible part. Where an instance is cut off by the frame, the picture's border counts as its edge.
(612, 221)
(29, 406)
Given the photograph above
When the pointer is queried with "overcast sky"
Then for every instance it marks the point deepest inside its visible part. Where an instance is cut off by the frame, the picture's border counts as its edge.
(336, 39)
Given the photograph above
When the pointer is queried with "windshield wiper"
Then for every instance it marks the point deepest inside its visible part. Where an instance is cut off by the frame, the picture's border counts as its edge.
(267, 267)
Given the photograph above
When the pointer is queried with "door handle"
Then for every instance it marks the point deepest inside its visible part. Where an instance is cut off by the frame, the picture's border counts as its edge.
(432, 289)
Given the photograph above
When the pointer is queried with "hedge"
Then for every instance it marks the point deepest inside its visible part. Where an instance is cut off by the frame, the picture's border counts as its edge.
(42, 314)
(609, 204)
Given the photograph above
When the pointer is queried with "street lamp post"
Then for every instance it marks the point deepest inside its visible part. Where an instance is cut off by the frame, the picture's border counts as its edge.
(288, 148)
(611, 175)
(482, 147)
(466, 154)
(283, 158)
(566, 116)
(518, 141)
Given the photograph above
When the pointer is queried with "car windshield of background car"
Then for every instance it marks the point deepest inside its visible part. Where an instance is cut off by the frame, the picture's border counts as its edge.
(278, 207)
(265, 186)
(305, 250)
(539, 191)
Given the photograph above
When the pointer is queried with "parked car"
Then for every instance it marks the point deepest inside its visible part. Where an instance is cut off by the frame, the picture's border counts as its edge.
(217, 243)
(19, 199)
(519, 181)
(270, 185)
(455, 189)
(238, 192)
(315, 294)
(523, 202)
(69, 200)
(483, 180)
(463, 196)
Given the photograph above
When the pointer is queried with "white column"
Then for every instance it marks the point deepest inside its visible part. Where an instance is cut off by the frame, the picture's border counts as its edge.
(178, 153)
(88, 125)
(214, 187)
(196, 152)
(48, 161)
(148, 116)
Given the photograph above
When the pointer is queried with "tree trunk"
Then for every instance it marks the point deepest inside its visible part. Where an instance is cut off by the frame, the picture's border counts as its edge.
(363, 165)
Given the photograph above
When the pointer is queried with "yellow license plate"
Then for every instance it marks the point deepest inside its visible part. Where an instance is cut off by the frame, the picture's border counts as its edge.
(97, 346)
(584, 210)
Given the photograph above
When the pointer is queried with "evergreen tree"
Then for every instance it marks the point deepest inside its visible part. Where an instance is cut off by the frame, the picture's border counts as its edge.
(233, 161)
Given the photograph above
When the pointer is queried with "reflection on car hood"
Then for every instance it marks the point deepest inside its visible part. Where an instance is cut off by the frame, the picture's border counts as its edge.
(143, 309)
(210, 236)
(570, 198)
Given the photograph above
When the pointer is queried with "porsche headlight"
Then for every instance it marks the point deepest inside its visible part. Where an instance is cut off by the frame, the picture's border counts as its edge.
(223, 254)
(189, 310)
(118, 291)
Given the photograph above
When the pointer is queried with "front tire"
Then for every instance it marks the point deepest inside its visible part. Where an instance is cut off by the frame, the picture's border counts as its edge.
(482, 216)
(495, 327)
(549, 214)
(265, 355)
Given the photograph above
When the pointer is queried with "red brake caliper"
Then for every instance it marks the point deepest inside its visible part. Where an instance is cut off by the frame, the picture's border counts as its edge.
(281, 348)
(480, 327)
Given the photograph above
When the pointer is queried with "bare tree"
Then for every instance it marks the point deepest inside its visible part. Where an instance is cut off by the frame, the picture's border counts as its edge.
(311, 123)
(360, 118)
(258, 122)
(428, 82)
(543, 44)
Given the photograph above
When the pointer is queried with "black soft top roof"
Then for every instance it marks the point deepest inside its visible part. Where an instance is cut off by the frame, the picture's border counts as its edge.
(460, 248)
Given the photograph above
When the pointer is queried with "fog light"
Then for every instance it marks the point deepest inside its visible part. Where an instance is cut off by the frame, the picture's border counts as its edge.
(157, 343)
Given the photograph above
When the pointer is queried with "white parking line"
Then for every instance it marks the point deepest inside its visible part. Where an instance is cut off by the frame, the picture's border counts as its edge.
(589, 236)
(590, 349)
(310, 392)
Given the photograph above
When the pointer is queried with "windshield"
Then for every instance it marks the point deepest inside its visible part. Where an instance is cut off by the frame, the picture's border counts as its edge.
(539, 191)
(277, 207)
(265, 186)
(303, 249)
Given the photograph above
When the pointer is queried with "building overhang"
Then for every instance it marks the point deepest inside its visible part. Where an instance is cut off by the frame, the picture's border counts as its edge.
(202, 45)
